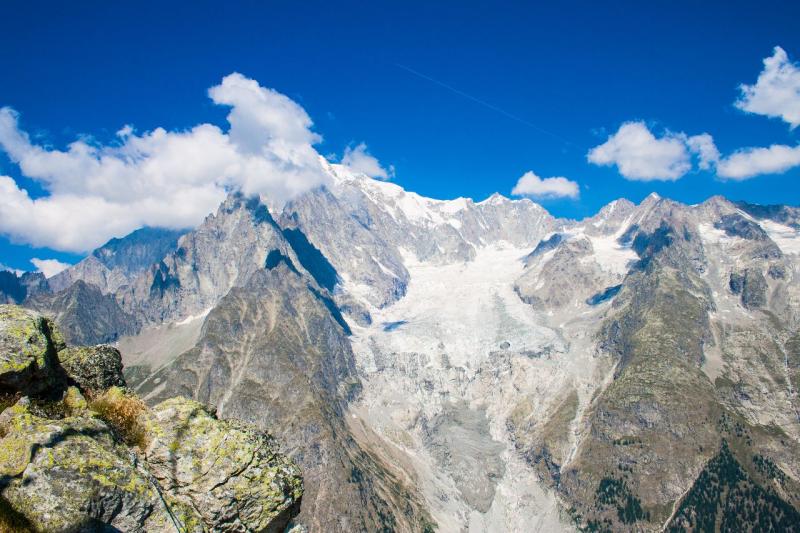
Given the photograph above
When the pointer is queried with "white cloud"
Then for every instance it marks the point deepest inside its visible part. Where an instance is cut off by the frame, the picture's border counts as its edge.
(556, 187)
(125, 131)
(703, 146)
(748, 162)
(776, 92)
(640, 156)
(359, 160)
(159, 178)
(49, 267)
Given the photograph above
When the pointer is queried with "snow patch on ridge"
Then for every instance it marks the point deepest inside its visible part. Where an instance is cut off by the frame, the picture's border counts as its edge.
(787, 238)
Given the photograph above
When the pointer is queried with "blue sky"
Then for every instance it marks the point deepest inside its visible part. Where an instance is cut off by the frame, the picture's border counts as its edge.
(461, 99)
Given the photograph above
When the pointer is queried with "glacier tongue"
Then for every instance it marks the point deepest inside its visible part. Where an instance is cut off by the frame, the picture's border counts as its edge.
(444, 367)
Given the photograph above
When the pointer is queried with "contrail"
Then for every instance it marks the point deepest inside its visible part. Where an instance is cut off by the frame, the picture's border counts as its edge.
(482, 102)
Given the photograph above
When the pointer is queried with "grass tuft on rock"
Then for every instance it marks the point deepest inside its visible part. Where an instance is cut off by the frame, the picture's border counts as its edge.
(121, 411)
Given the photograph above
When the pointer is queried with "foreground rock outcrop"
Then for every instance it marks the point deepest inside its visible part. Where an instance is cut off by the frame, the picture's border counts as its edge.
(28, 346)
(79, 452)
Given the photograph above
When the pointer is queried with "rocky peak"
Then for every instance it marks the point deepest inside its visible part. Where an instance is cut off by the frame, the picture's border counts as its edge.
(223, 252)
(15, 288)
(85, 314)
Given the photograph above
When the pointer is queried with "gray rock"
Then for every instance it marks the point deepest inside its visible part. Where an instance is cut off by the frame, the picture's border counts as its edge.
(751, 285)
(28, 346)
(226, 470)
(120, 260)
(93, 368)
(71, 475)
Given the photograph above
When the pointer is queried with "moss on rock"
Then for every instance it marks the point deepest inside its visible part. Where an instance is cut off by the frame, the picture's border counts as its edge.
(66, 474)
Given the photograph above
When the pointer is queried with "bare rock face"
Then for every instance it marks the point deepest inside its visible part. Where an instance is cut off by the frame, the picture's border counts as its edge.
(84, 314)
(15, 288)
(752, 286)
(274, 353)
(119, 261)
(222, 253)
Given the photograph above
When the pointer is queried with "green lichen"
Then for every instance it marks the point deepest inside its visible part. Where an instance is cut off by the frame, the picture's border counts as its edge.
(228, 462)
(74, 401)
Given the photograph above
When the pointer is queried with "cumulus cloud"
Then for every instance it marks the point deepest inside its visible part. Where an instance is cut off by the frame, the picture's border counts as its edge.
(703, 146)
(159, 178)
(641, 156)
(49, 267)
(359, 160)
(776, 92)
(749, 162)
(556, 187)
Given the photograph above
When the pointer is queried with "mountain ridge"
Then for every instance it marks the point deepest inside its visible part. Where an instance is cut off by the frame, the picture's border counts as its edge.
(580, 361)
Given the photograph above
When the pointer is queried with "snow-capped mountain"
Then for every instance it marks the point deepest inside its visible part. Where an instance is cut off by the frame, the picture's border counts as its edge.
(484, 366)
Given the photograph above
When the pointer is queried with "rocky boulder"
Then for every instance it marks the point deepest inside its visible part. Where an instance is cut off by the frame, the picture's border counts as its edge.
(28, 346)
(107, 462)
(226, 470)
(94, 368)
(71, 474)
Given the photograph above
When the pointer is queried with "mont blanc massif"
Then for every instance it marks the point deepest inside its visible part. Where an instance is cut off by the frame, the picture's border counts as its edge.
(368, 359)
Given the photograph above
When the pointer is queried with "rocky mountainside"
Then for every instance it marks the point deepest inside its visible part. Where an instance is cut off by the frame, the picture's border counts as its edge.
(118, 262)
(484, 366)
(85, 314)
(79, 452)
(15, 288)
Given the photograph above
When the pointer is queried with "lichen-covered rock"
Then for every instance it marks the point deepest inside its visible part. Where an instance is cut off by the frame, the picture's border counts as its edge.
(226, 470)
(94, 368)
(72, 475)
(28, 344)
(68, 464)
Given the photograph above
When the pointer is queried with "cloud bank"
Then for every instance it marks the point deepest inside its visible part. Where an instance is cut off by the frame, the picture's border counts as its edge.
(162, 178)
(548, 188)
(746, 163)
(641, 156)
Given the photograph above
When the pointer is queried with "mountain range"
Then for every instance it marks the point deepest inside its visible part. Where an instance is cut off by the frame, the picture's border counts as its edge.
(454, 365)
